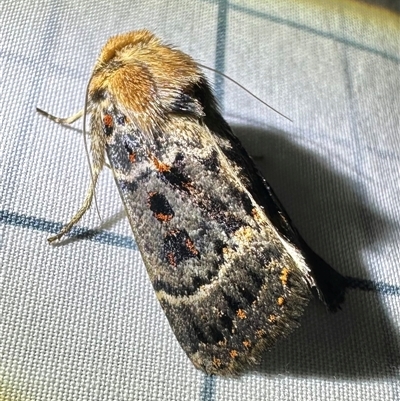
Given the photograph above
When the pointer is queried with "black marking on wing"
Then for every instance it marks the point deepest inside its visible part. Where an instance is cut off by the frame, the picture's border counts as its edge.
(215, 209)
(123, 156)
(179, 162)
(232, 303)
(206, 334)
(226, 322)
(178, 246)
(201, 337)
(161, 208)
(249, 295)
(187, 290)
(131, 143)
(219, 246)
(176, 179)
(246, 202)
(174, 175)
(121, 119)
(212, 162)
(215, 334)
(251, 289)
(128, 186)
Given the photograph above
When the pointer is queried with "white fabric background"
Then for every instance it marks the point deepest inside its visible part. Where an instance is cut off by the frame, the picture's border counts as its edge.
(79, 321)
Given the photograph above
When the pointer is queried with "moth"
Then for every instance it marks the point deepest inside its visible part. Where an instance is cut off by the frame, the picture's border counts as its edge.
(228, 267)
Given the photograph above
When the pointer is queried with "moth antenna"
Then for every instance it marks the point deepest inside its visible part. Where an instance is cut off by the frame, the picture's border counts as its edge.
(58, 120)
(244, 88)
(87, 148)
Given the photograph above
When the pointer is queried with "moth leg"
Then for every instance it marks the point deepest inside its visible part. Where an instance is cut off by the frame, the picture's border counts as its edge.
(85, 207)
(66, 120)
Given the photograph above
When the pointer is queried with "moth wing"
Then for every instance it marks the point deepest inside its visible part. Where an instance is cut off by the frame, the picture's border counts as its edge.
(226, 282)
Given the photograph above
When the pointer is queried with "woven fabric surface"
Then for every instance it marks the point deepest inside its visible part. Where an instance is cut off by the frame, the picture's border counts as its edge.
(79, 320)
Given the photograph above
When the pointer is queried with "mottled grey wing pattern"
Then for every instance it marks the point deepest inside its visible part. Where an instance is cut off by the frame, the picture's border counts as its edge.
(227, 283)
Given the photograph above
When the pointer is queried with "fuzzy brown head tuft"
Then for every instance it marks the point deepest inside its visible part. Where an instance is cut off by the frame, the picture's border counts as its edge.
(144, 77)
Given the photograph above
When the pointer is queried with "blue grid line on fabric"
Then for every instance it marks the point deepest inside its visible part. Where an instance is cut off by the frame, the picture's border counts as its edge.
(282, 21)
(123, 241)
(207, 392)
(220, 50)
(354, 113)
(39, 224)
(373, 286)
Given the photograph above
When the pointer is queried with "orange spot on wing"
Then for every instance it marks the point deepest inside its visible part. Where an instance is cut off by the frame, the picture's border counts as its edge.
(108, 120)
(171, 259)
(245, 234)
(284, 276)
(256, 215)
(280, 301)
(163, 217)
(217, 362)
(161, 167)
(188, 185)
(222, 343)
(233, 353)
(241, 314)
(260, 333)
(190, 245)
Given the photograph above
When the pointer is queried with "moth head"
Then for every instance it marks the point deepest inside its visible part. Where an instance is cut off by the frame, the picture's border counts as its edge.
(146, 79)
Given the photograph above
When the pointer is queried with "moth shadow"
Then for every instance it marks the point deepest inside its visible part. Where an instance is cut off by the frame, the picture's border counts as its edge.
(389, 4)
(325, 206)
